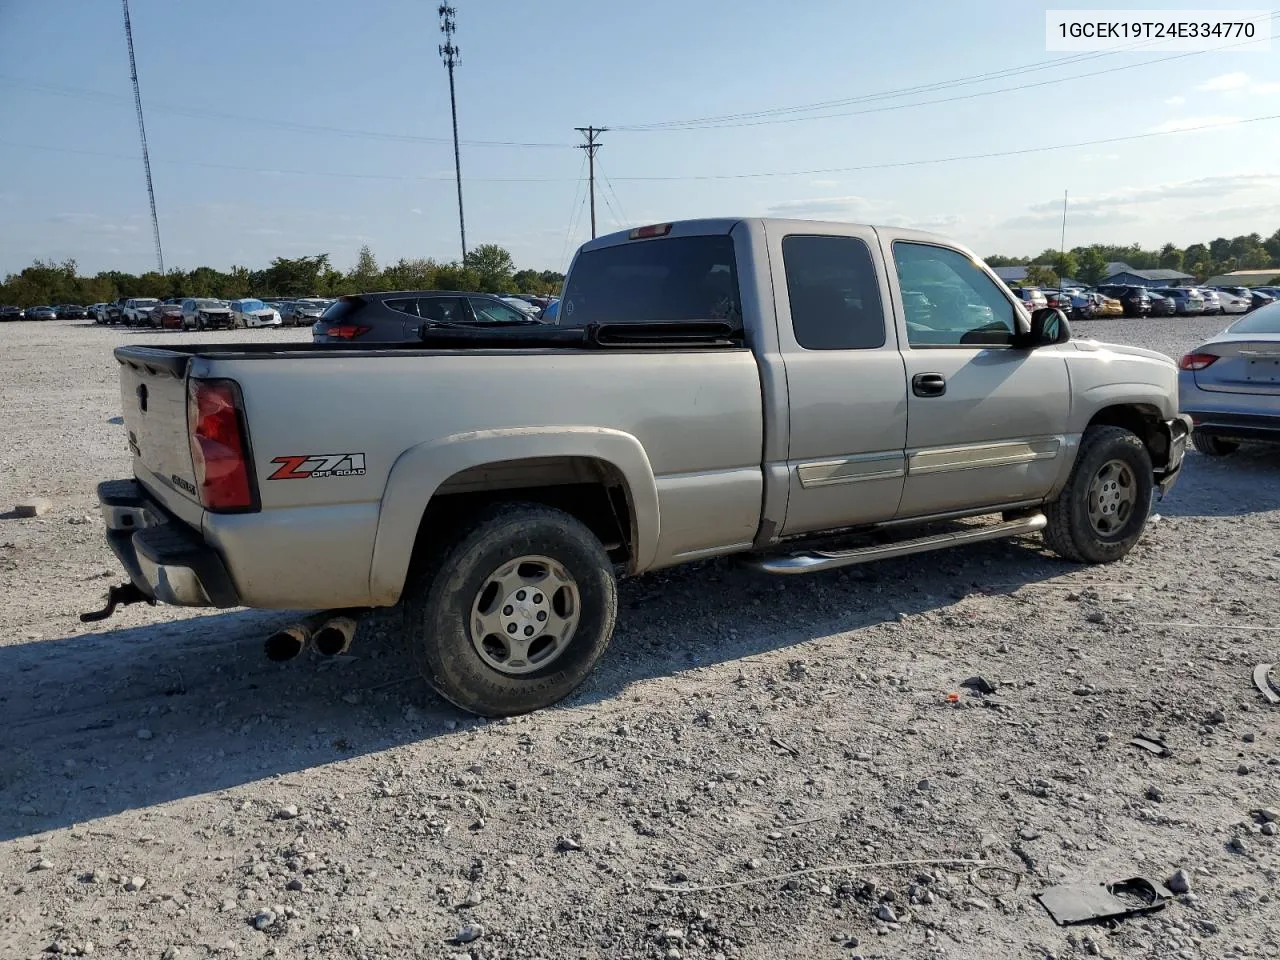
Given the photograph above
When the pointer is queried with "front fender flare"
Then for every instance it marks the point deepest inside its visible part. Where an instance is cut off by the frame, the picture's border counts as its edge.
(420, 471)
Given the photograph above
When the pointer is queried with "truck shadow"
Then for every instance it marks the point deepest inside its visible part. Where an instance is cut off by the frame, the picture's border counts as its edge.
(99, 723)
(1247, 481)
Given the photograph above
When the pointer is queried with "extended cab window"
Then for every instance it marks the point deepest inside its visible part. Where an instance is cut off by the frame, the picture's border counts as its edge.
(646, 281)
(833, 292)
(949, 300)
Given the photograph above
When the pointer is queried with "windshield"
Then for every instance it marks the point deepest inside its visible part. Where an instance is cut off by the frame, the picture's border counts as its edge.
(210, 303)
(671, 279)
(252, 305)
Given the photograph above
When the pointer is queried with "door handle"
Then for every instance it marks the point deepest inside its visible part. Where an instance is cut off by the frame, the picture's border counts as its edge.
(928, 385)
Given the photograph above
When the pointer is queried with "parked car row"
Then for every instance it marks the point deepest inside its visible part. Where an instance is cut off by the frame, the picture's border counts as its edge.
(205, 313)
(1122, 300)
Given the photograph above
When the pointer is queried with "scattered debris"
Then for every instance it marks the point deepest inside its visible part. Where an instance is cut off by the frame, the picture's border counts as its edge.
(1081, 902)
(1266, 686)
(981, 684)
(1152, 744)
(32, 508)
(468, 934)
(828, 868)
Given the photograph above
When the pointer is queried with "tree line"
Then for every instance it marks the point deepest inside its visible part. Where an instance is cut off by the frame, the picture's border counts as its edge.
(487, 268)
(1202, 260)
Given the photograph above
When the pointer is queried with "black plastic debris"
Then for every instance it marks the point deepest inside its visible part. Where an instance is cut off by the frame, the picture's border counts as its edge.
(1084, 902)
(981, 684)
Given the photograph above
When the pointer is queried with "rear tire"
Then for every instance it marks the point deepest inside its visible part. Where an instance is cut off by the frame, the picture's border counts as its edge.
(467, 610)
(1103, 509)
(1212, 446)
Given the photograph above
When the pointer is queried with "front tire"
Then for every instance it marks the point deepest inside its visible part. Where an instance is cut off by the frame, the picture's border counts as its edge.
(1212, 446)
(1103, 509)
(513, 614)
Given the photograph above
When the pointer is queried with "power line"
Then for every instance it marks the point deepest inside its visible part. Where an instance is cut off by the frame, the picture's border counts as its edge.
(591, 146)
(198, 113)
(767, 118)
(142, 134)
(617, 203)
(890, 164)
(967, 156)
(573, 209)
(452, 56)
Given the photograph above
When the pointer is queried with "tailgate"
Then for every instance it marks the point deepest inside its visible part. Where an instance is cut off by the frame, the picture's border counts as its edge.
(153, 399)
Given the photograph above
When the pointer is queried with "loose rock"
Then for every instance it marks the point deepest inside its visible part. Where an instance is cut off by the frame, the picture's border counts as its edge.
(469, 933)
(1180, 882)
(134, 884)
(287, 812)
(263, 919)
(886, 913)
(33, 508)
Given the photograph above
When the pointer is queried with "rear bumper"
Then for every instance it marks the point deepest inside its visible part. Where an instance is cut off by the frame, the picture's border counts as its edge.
(165, 558)
(1238, 426)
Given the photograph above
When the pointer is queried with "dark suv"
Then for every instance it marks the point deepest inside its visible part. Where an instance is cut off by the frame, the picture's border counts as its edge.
(399, 317)
(1135, 300)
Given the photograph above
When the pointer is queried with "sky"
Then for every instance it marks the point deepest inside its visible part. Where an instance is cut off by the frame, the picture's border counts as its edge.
(298, 127)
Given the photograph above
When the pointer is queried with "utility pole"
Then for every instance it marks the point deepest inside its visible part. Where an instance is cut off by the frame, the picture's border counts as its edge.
(452, 56)
(591, 146)
(142, 132)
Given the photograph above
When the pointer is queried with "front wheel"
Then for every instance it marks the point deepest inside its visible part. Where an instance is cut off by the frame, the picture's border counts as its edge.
(514, 612)
(1212, 446)
(1102, 510)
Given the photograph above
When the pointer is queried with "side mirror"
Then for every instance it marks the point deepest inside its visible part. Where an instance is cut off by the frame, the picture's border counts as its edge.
(1048, 326)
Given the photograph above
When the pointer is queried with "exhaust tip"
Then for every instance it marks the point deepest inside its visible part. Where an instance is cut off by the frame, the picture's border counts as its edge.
(334, 638)
(286, 644)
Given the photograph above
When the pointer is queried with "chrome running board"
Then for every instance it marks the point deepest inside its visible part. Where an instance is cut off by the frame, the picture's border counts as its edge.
(817, 560)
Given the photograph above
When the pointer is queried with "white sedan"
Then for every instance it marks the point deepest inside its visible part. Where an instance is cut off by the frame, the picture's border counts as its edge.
(1232, 304)
(254, 313)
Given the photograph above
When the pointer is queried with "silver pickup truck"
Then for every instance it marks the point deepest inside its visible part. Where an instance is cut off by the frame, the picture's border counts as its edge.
(808, 395)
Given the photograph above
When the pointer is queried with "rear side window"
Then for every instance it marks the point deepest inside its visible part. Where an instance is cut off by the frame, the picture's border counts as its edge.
(833, 292)
(408, 305)
(647, 281)
(443, 310)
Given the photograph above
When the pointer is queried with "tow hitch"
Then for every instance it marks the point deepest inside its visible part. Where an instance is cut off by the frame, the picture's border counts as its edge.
(120, 596)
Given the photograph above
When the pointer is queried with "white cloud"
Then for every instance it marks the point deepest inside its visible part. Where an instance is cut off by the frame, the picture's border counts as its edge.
(1130, 204)
(1237, 84)
(833, 207)
(1191, 123)
(1176, 101)
(1227, 81)
(416, 210)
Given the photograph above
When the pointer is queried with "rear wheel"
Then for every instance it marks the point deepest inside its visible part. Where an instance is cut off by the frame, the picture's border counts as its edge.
(1212, 446)
(514, 612)
(1101, 512)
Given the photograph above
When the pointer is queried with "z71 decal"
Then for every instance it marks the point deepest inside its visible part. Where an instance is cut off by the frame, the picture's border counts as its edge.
(314, 466)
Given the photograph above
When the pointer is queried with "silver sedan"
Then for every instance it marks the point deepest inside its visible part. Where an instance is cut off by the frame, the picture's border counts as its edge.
(1230, 385)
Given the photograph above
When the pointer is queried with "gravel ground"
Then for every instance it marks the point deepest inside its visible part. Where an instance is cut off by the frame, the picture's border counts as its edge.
(167, 792)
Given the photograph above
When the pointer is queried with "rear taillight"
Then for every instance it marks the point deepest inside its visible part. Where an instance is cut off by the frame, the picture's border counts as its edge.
(219, 446)
(1196, 361)
(346, 331)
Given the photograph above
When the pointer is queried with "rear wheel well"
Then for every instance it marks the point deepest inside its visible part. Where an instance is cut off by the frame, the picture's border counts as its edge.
(1141, 419)
(589, 489)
